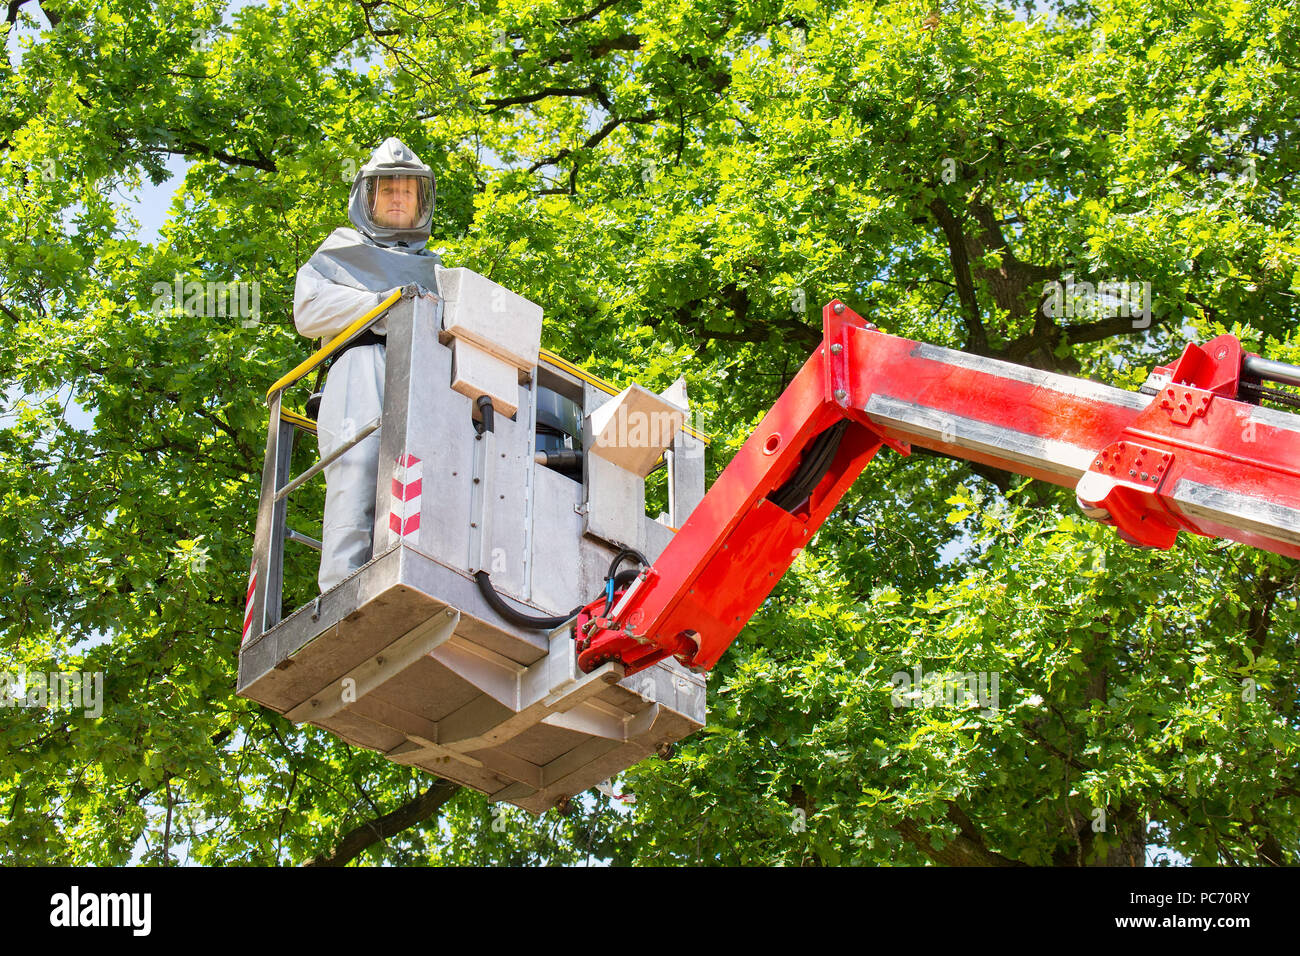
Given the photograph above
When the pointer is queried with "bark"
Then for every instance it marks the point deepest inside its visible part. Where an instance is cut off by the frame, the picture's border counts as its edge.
(1269, 851)
(355, 841)
(959, 255)
(1125, 836)
(966, 848)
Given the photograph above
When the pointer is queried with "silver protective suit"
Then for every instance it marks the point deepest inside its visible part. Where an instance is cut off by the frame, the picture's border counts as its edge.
(351, 272)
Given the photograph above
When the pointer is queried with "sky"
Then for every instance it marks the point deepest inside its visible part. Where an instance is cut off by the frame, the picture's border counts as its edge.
(148, 204)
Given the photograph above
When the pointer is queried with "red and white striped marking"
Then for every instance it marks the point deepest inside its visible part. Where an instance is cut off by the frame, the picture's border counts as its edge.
(407, 477)
(248, 602)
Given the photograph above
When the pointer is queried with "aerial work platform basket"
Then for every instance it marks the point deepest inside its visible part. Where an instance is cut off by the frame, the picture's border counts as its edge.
(407, 656)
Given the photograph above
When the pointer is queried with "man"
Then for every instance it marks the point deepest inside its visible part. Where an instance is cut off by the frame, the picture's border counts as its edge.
(391, 206)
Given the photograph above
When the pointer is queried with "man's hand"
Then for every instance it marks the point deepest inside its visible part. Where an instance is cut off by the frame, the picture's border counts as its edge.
(415, 290)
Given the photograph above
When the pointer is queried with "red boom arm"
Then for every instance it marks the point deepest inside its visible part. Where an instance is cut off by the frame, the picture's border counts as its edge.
(1189, 457)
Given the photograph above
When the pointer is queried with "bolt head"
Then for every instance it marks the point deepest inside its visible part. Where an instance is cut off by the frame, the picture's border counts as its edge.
(836, 349)
(840, 394)
(839, 308)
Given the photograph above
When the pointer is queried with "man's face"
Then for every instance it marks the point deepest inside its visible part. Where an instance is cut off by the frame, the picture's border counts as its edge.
(397, 202)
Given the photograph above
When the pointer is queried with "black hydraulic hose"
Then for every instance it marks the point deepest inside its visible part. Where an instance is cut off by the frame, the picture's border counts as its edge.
(625, 553)
(1255, 393)
(811, 477)
(785, 496)
(488, 412)
(513, 615)
(614, 575)
(621, 580)
(624, 578)
(489, 592)
(828, 447)
(816, 462)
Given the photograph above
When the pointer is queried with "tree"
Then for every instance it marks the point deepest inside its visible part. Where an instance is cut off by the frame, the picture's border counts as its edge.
(679, 184)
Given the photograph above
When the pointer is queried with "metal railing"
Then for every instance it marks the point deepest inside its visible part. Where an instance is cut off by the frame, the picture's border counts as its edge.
(266, 594)
(334, 344)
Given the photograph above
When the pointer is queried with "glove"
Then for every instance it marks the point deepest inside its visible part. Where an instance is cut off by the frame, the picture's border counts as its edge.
(415, 290)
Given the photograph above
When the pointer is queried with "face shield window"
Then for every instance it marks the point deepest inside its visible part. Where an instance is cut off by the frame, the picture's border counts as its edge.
(399, 202)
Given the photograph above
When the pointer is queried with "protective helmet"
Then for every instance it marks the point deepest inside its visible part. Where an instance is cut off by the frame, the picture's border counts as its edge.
(393, 196)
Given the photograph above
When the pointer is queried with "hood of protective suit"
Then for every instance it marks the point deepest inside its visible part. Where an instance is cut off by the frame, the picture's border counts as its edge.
(373, 257)
(392, 159)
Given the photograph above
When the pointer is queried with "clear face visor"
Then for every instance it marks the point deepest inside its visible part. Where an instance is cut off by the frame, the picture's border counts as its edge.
(399, 202)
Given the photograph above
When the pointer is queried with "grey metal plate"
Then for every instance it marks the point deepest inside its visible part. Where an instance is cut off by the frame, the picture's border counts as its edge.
(923, 424)
(1063, 384)
(1270, 519)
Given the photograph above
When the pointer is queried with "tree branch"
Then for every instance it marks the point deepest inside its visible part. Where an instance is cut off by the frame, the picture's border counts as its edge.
(1101, 329)
(589, 15)
(592, 140)
(998, 477)
(375, 831)
(242, 448)
(961, 850)
(217, 154)
(502, 102)
(625, 41)
(53, 16)
(977, 338)
(1268, 850)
